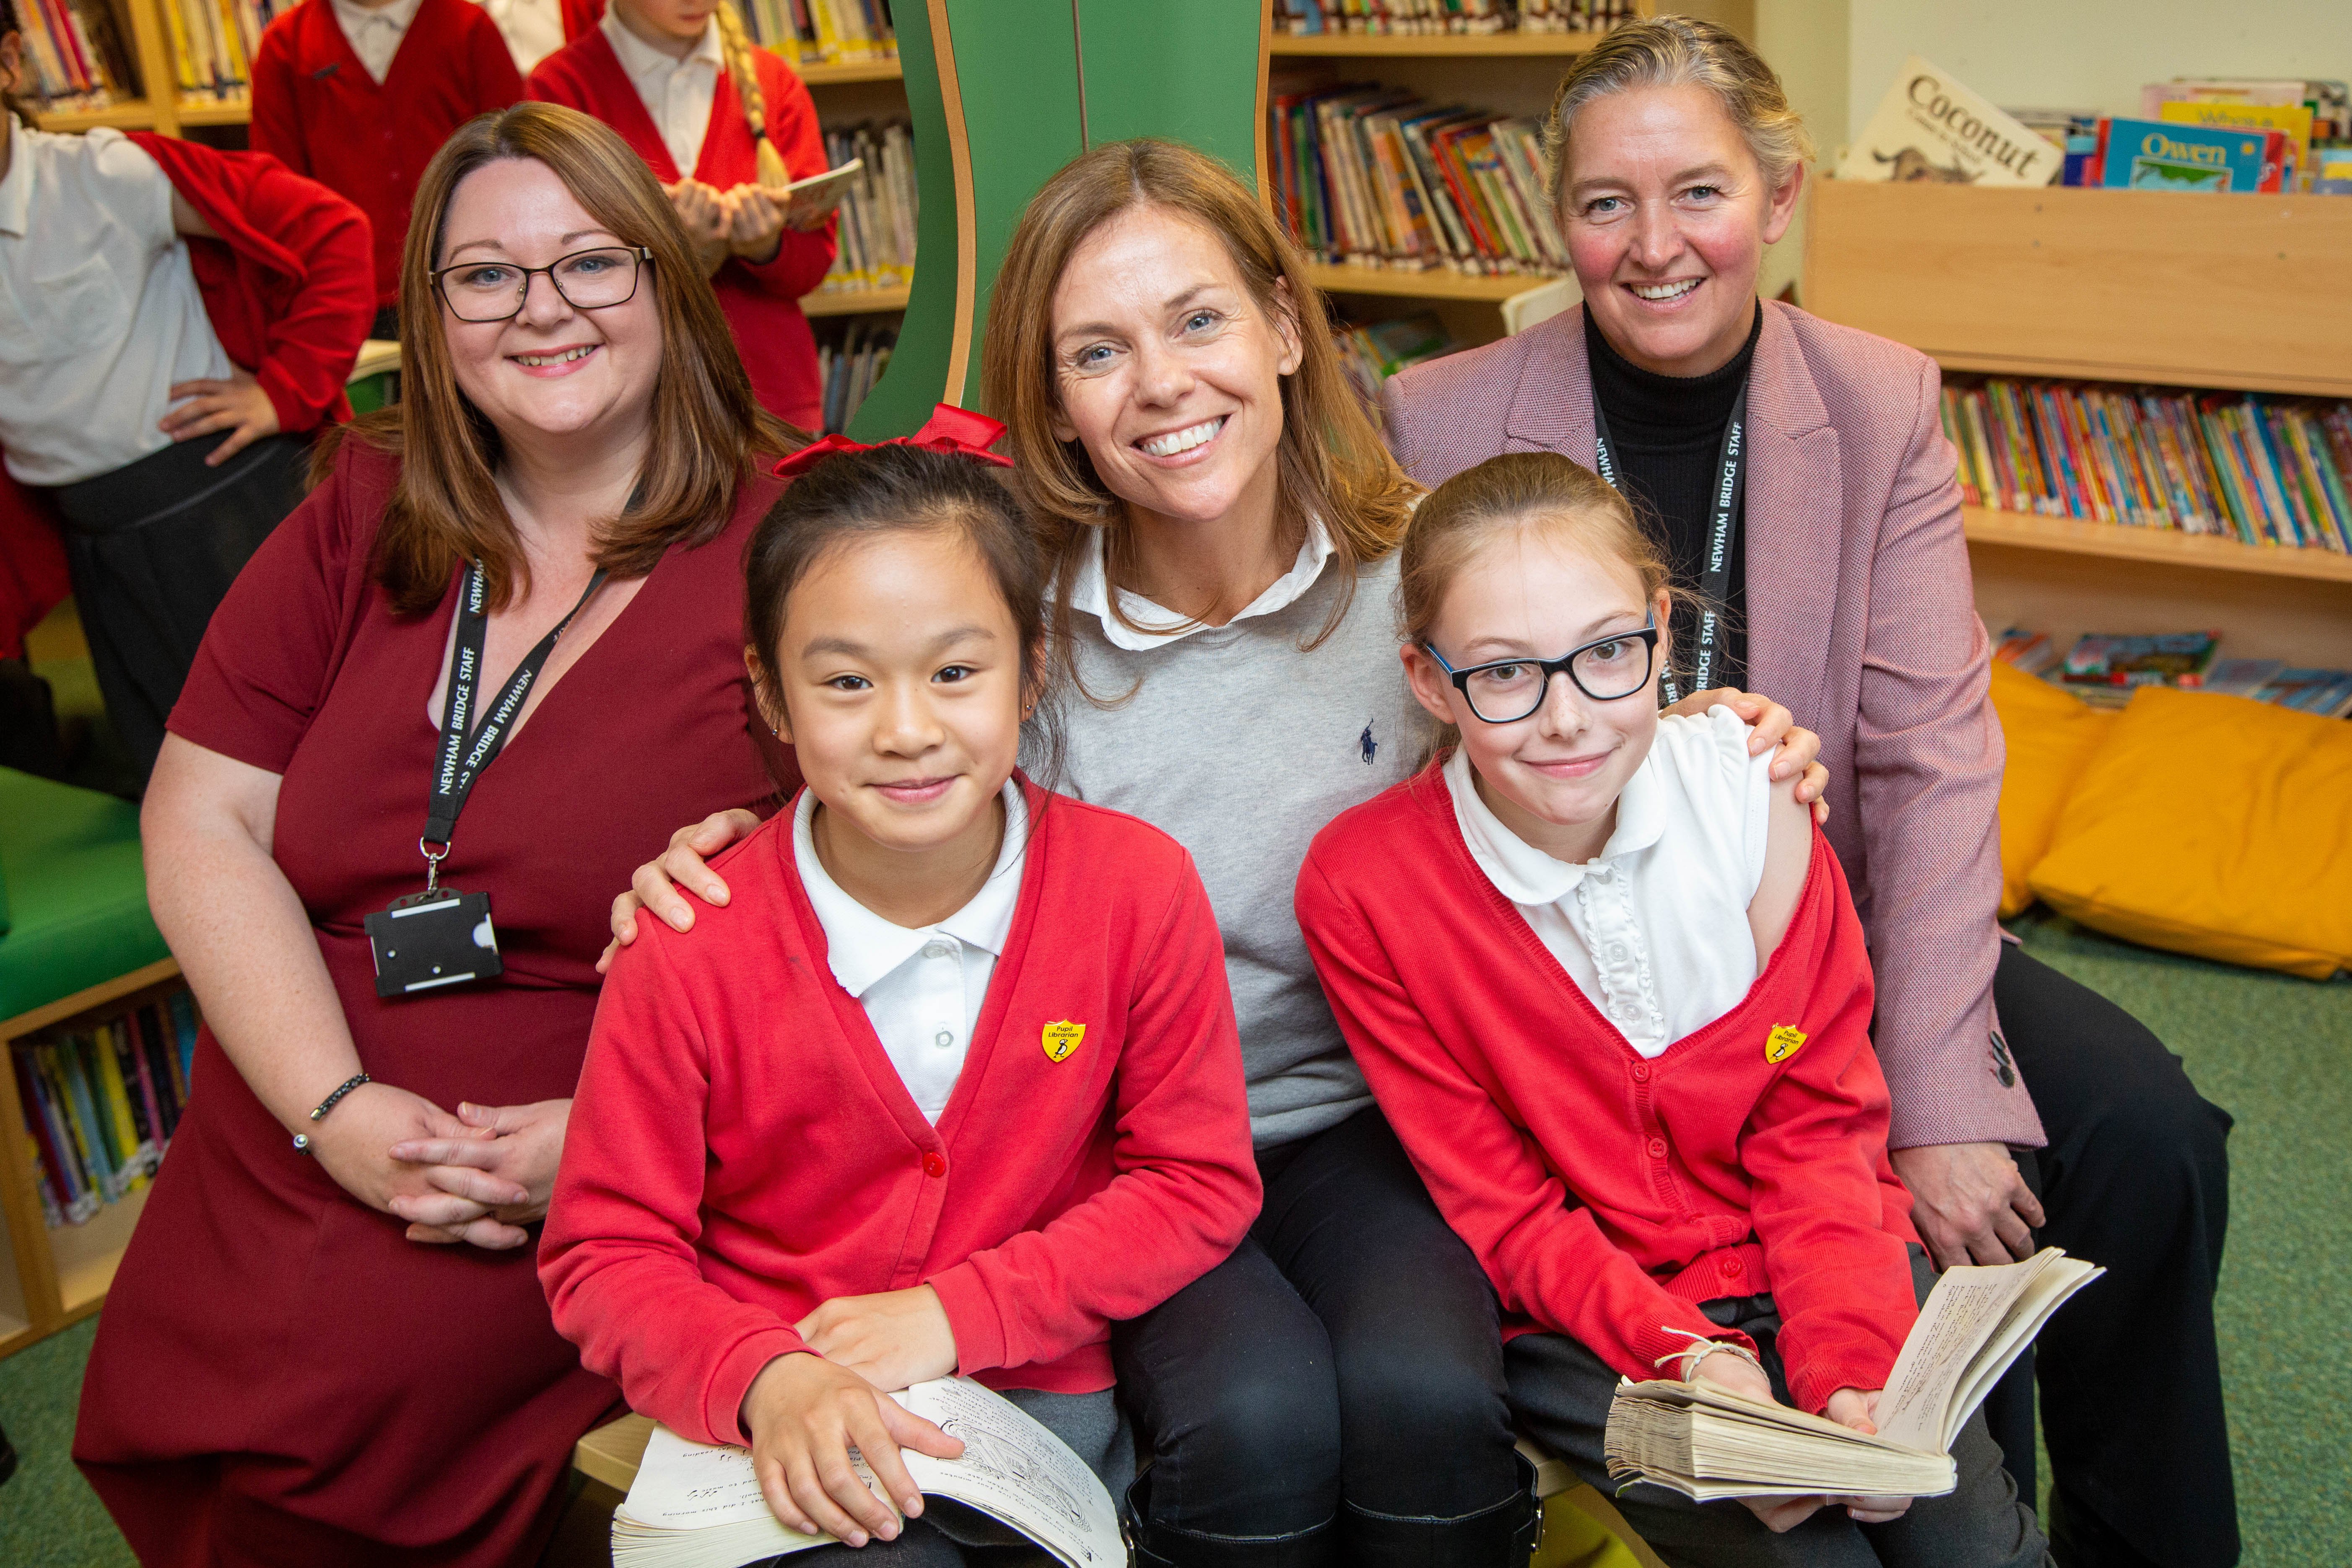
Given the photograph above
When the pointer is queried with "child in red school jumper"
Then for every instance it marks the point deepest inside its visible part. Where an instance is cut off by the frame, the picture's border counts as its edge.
(1609, 986)
(719, 122)
(360, 94)
(948, 1085)
(179, 320)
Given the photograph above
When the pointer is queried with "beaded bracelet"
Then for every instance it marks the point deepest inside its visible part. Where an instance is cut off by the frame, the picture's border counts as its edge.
(302, 1140)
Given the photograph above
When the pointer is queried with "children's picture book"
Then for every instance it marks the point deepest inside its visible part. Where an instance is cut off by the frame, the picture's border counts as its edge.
(694, 1505)
(2166, 659)
(1709, 1444)
(2291, 121)
(1930, 127)
(2156, 155)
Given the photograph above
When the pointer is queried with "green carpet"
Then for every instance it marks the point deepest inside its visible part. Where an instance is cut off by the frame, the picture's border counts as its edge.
(2275, 1051)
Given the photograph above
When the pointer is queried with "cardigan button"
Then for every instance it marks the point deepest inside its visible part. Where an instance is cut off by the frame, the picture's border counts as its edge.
(1732, 1267)
(935, 1165)
(1641, 1072)
(1657, 1148)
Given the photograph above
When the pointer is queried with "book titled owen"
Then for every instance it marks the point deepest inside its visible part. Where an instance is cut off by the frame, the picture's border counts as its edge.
(2156, 155)
(1929, 127)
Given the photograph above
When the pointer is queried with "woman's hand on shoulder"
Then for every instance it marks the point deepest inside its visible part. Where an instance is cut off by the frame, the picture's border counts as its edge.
(654, 887)
(487, 1184)
(893, 1340)
(1774, 726)
(1858, 1408)
(803, 1414)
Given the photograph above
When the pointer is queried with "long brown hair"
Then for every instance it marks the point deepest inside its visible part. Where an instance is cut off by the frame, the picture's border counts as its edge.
(706, 427)
(1333, 463)
(743, 69)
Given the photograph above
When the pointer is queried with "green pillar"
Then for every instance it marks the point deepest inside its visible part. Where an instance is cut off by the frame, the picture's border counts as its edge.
(1000, 94)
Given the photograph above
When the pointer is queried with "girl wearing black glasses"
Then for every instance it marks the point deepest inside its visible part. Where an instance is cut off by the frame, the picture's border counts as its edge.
(1608, 986)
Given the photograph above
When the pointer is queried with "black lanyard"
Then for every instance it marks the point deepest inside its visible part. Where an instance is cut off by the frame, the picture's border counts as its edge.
(1723, 526)
(456, 765)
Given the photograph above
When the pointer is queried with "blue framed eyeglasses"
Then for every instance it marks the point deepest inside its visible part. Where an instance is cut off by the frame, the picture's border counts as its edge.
(1605, 669)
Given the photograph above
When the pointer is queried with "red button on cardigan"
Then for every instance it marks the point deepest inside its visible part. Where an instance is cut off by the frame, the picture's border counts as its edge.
(935, 1165)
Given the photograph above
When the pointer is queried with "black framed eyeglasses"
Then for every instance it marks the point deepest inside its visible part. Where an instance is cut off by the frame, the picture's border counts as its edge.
(595, 279)
(1605, 669)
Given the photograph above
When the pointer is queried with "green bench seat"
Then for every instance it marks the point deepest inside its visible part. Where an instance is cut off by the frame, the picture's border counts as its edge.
(74, 909)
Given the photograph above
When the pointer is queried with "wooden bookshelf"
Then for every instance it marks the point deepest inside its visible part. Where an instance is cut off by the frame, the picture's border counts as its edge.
(2190, 291)
(1435, 284)
(824, 75)
(1432, 46)
(854, 301)
(237, 111)
(52, 1277)
(137, 114)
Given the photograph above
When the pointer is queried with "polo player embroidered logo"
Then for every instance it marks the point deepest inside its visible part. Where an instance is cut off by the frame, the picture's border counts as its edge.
(1060, 1039)
(1785, 1041)
(1366, 744)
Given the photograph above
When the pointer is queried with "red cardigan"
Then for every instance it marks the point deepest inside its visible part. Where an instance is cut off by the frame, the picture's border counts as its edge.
(761, 302)
(1606, 1195)
(741, 1150)
(290, 283)
(316, 108)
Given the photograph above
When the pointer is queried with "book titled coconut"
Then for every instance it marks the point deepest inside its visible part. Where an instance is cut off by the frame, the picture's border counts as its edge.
(1931, 128)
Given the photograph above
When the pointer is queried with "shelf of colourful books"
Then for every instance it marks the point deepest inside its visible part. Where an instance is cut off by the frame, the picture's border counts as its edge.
(1986, 525)
(854, 301)
(1431, 46)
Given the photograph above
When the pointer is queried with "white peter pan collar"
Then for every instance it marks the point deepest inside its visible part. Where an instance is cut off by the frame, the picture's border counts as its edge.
(1090, 592)
(1525, 874)
(861, 947)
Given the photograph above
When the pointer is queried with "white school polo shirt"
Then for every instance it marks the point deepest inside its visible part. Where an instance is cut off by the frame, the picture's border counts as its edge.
(1654, 928)
(99, 313)
(676, 93)
(375, 31)
(921, 988)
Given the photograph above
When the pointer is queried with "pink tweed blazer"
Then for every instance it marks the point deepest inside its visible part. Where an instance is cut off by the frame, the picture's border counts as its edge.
(1862, 619)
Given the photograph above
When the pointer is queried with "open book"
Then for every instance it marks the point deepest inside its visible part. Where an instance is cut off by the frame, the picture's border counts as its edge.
(695, 1506)
(1708, 1443)
(812, 198)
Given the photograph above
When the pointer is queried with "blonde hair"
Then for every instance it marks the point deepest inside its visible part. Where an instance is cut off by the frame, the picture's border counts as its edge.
(1333, 464)
(1518, 493)
(706, 427)
(1680, 51)
(744, 71)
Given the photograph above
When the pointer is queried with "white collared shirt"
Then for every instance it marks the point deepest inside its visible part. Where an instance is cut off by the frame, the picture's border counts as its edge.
(1654, 928)
(374, 32)
(1090, 592)
(533, 29)
(677, 93)
(921, 989)
(99, 313)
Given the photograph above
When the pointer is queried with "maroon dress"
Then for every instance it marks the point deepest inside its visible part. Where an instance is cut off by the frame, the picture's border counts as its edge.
(280, 1376)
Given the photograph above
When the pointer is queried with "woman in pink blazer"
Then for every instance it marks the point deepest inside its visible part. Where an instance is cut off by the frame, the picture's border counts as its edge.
(1826, 531)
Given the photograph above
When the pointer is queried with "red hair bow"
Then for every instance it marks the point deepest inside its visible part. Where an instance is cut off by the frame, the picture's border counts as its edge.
(949, 429)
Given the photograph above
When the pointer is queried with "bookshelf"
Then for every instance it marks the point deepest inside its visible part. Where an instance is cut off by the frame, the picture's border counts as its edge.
(1432, 46)
(2224, 292)
(49, 1277)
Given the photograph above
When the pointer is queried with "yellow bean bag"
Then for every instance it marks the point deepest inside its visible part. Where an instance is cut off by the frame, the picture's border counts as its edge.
(2051, 736)
(2213, 826)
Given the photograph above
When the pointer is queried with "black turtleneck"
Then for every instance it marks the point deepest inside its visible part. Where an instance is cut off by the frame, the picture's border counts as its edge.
(1666, 433)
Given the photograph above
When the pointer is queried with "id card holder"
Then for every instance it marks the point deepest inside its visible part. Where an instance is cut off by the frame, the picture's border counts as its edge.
(430, 940)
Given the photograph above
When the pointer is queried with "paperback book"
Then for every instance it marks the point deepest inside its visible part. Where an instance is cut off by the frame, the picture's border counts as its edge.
(1709, 1444)
(693, 1505)
(2154, 155)
(1931, 127)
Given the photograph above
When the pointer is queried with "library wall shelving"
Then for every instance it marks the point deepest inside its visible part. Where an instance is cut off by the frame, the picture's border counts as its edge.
(852, 89)
(1509, 73)
(2133, 287)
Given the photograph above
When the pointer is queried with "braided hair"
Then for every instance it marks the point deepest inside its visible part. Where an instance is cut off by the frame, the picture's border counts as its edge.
(744, 70)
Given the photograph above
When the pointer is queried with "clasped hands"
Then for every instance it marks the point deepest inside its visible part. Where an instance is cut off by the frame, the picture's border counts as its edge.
(475, 1177)
(1853, 1407)
(804, 1412)
(747, 221)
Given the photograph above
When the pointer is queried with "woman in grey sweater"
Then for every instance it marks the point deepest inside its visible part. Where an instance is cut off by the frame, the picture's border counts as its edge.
(1227, 519)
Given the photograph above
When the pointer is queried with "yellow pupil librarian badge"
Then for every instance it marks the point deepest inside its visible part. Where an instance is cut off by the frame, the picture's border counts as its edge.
(1785, 1041)
(1062, 1038)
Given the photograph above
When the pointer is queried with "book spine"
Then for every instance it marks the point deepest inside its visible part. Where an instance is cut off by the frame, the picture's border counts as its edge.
(129, 1147)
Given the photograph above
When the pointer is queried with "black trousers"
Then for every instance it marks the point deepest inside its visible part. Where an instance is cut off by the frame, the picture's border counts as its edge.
(1332, 1393)
(2135, 1177)
(153, 548)
(1562, 1392)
